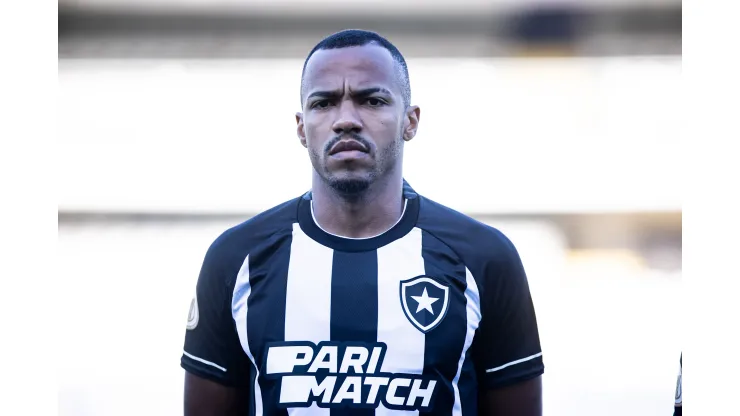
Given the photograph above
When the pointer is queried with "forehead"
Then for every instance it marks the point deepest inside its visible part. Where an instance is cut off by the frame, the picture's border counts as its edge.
(356, 66)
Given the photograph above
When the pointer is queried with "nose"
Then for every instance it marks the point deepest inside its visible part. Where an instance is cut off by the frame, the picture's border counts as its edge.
(347, 119)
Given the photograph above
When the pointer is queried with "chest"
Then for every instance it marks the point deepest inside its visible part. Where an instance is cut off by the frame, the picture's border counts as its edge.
(391, 310)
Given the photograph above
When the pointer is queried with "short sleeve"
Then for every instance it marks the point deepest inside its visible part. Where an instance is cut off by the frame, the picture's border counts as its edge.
(506, 347)
(212, 348)
(678, 402)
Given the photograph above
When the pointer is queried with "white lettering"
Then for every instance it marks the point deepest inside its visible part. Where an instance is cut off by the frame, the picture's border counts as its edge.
(296, 367)
(375, 383)
(349, 361)
(373, 365)
(284, 359)
(418, 392)
(390, 395)
(296, 389)
(327, 351)
(345, 393)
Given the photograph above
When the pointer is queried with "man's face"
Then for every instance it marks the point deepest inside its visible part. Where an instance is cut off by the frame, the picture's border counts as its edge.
(354, 120)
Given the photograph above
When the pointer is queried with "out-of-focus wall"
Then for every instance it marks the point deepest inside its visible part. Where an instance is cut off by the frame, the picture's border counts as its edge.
(536, 136)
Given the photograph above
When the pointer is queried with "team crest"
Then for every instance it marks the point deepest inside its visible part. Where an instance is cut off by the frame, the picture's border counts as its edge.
(424, 301)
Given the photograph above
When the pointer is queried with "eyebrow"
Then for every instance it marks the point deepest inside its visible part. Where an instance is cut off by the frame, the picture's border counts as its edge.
(359, 93)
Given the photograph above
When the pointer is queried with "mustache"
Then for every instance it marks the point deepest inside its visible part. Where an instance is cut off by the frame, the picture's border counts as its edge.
(340, 137)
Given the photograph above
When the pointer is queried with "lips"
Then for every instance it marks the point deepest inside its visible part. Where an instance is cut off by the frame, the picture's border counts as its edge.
(347, 145)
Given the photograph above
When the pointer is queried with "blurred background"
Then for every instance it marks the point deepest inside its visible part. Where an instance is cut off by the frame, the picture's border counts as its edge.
(555, 121)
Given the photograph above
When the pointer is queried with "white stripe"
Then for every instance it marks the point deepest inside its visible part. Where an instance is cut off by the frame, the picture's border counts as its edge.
(399, 260)
(242, 289)
(204, 361)
(308, 298)
(531, 357)
(473, 317)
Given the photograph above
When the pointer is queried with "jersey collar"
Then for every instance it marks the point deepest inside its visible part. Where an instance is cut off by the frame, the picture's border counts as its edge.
(405, 224)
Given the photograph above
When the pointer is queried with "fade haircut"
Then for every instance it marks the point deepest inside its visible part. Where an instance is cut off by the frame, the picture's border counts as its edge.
(355, 37)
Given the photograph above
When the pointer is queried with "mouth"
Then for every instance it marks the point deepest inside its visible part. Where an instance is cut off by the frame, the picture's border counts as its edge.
(347, 146)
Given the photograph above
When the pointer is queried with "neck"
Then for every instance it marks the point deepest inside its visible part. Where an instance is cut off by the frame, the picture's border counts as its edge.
(367, 215)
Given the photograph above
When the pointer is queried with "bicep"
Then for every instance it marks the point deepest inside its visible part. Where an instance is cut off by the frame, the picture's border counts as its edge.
(520, 399)
(204, 397)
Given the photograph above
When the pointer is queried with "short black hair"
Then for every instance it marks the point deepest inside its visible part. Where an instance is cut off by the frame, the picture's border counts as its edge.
(356, 37)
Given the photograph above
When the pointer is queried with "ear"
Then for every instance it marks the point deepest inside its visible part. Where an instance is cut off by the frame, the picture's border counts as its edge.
(299, 129)
(411, 123)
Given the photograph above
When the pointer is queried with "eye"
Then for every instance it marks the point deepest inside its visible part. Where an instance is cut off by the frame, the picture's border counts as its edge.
(321, 104)
(375, 102)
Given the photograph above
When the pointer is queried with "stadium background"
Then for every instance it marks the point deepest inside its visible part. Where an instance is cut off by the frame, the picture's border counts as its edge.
(555, 121)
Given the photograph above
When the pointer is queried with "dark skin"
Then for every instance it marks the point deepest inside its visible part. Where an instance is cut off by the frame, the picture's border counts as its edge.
(522, 399)
(355, 92)
(207, 398)
(354, 95)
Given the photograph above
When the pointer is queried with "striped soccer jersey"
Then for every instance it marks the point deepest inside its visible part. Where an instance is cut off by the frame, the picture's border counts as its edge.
(678, 404)
(418, 319)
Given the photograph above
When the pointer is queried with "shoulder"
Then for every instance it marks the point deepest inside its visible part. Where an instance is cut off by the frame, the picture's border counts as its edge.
(235, 243)
(472, 237)
(485, 250)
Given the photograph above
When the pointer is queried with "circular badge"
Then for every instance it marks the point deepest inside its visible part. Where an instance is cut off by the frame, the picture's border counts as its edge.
(193, 314)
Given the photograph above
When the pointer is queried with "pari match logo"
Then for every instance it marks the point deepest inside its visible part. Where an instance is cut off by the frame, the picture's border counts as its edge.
(339, 374)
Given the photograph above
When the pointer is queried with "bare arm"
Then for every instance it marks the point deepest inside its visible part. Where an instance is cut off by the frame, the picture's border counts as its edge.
(521, 399)
(207, 398)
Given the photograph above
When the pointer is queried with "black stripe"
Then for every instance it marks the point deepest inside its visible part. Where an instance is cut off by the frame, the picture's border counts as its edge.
(268, 276)
(444, 343)
(252, 391)
(468, 387)
(354, 306)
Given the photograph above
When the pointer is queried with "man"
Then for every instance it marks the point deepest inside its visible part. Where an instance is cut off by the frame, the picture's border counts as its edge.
(361, 297)
(678, 404)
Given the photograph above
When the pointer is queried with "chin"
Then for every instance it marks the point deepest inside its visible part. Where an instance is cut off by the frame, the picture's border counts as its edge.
(350, 186)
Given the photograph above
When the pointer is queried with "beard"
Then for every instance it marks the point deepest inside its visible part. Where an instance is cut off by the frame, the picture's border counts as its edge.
(354, 186)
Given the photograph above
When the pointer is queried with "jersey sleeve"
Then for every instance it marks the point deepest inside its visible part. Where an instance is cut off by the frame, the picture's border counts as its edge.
(212, 348)
(678, 403)
(506, 346)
